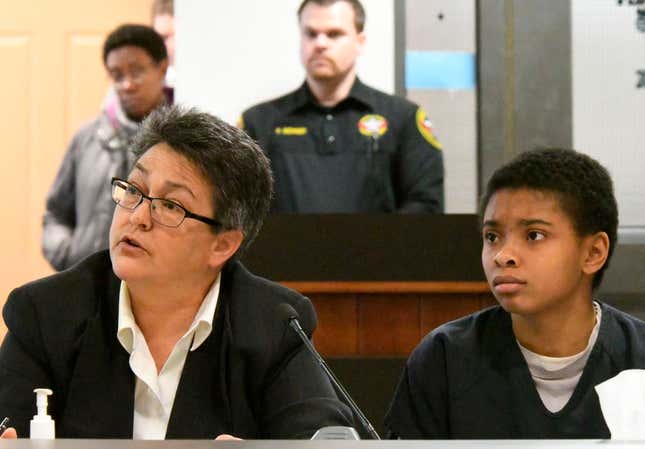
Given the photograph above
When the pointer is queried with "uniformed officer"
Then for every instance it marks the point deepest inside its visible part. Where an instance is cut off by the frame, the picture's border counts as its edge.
(337, 145)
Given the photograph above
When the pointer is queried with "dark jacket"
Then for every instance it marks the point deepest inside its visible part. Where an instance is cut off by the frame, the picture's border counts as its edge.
(251, 377)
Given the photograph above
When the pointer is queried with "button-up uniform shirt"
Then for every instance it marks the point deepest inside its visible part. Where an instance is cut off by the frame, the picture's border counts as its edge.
(372, 152)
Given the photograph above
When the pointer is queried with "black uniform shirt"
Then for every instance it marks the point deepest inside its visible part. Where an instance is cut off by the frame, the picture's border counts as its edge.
(468, 379)
(372, 152)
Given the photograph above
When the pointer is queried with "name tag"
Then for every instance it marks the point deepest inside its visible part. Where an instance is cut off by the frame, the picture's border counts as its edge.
(291, 131)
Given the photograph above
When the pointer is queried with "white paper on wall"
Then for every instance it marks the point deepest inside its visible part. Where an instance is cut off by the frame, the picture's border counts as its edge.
(608, 77)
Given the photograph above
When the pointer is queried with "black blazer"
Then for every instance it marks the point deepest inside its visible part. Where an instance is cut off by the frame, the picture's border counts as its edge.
(251, 378)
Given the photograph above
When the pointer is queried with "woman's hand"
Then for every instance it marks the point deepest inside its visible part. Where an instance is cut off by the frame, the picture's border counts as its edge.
(224, 437)
(9, 434)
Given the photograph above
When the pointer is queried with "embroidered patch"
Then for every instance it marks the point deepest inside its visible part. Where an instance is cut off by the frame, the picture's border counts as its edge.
(291, 130)
(372, 125)
(425, 128)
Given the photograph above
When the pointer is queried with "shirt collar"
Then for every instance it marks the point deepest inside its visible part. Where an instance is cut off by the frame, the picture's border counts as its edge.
(202, 324)
(304, 97)
(547, 367)
(361, 92)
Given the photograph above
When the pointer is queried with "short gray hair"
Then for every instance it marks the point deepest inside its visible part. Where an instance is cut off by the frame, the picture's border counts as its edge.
(232, 163)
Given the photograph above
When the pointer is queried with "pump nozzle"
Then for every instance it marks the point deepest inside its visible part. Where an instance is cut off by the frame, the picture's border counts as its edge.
(42, 426)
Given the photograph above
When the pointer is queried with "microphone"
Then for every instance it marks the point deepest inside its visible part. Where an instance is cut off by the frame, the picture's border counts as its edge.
(374, 142)
(288, 313)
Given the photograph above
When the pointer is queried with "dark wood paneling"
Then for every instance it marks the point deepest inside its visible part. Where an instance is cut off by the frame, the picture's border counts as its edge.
(368, 247)
(369, 324)
(388, 324)
(337, 332)
(487, 300)
(387, 287)
(439, 309)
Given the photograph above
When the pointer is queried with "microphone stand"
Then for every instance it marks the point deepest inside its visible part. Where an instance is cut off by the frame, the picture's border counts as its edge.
(295, 325)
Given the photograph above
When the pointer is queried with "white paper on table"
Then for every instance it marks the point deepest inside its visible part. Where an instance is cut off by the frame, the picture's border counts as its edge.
(622, 401)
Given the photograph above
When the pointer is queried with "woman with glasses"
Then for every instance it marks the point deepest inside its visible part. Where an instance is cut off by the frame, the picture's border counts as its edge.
(167, 335)
(78, 208)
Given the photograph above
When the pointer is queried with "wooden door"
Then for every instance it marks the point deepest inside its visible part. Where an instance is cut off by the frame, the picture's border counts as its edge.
(51, 81)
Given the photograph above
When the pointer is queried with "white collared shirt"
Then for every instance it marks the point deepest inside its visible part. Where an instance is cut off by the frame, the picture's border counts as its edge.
(154, 394)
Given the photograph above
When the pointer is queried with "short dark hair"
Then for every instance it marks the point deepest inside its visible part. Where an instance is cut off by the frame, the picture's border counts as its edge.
(583, 187)
(359, 11)
(232, 163)
(160, 7)
(141, 36)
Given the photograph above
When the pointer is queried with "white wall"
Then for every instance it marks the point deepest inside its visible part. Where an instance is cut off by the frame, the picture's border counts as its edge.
(233, 54)
(608, 108)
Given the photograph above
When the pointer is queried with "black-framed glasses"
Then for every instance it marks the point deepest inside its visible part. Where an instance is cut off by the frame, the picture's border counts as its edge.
(163, 211)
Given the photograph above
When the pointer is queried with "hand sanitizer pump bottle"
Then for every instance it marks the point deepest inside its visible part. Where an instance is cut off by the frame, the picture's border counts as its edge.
(42, 426)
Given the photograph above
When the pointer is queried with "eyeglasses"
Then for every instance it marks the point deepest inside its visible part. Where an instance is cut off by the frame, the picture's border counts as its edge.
(164, 212)
(136, 75)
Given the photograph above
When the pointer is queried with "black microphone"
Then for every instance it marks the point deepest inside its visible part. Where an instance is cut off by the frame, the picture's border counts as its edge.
(289, 314)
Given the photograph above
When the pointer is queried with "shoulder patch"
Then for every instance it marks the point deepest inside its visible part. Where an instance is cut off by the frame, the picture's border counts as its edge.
(291, 130)
(424, 125)
(240, 122)
(372, 125)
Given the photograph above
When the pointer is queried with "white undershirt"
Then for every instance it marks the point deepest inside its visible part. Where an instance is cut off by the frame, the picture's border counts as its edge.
(154, 394)
(556, 377)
